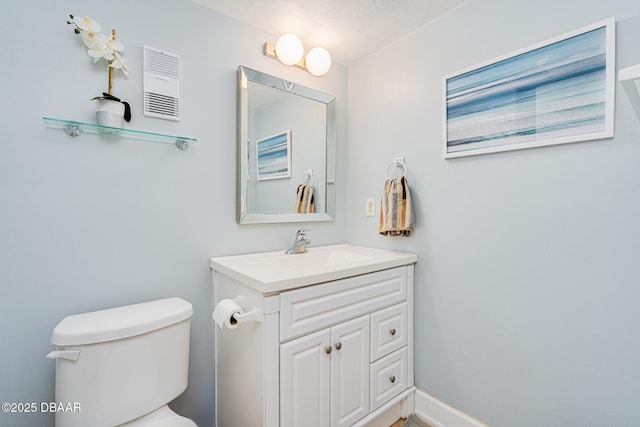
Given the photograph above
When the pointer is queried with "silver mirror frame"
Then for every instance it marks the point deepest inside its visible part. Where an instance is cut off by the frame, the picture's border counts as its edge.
(245, 75)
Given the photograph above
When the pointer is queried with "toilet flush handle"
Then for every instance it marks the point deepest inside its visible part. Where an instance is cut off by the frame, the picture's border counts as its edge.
(64, 354)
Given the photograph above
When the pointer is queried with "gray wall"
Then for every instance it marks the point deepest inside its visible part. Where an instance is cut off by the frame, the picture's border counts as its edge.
(527, 277)
(90, 223)
(527, 298)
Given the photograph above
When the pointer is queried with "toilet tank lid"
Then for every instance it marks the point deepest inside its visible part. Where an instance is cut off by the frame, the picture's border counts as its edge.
(120, 322)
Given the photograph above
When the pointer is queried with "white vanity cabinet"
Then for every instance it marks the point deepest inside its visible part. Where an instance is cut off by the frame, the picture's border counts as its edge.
(332, 348)
(324, 376)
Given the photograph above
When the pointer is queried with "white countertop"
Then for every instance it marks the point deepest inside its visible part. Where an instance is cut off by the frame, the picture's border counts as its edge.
(274, 272)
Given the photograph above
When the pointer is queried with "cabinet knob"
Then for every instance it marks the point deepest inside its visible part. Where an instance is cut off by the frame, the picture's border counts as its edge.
(328, 349)
(392, 378)
(338, 346)
(392, 331)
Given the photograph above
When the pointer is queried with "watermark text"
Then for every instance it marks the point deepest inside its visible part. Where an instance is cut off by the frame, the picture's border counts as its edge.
(48, 407)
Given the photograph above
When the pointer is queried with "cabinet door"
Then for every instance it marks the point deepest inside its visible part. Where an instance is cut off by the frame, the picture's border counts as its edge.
(304, 381)
(349, 372)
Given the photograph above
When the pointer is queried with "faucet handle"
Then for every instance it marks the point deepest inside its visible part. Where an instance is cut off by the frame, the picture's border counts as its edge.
(302, 233)
(299, 243)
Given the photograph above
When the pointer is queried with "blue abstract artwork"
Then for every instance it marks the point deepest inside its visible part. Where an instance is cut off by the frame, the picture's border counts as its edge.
(557, 92)
(274, 158)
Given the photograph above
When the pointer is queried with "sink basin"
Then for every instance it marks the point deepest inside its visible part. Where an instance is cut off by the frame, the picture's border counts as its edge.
(316, 259)
(273, 272)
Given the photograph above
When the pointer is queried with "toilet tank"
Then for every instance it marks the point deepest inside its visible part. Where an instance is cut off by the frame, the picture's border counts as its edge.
(131, 360)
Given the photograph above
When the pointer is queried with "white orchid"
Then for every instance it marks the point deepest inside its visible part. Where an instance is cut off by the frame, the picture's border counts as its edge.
(89, 38)
(119, 62)
(84, 23)
(99, 45)
(102, 46)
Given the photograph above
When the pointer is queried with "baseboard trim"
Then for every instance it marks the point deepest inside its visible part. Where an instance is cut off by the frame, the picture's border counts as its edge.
(439, 414)
(398, 407)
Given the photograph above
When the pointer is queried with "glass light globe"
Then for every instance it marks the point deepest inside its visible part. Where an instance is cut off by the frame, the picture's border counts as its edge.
(289, 49)
(318, 61)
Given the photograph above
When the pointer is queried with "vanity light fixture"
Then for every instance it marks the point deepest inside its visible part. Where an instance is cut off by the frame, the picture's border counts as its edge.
(318, 61)
(289, 50)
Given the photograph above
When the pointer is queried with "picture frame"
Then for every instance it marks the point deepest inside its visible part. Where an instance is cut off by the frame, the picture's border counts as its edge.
(557, 91)
(273, 156)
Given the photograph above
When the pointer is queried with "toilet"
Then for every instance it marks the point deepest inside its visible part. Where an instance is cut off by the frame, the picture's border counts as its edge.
(122, 366)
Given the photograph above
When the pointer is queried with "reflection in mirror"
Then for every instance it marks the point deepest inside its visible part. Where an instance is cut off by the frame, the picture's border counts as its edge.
(286, 151)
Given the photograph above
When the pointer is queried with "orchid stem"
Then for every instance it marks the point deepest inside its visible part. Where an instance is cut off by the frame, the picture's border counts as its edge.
(113, 37)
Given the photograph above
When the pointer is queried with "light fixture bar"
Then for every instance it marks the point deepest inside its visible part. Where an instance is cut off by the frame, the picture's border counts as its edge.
(269, 49)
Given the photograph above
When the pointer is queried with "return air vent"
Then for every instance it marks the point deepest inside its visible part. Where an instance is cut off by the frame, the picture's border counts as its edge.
(161, 84)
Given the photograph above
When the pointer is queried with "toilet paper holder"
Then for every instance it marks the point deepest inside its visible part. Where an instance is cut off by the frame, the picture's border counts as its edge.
(229, 313)
(254, 315)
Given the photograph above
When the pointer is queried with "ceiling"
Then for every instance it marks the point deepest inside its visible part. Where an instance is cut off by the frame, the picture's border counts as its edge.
(348, 29)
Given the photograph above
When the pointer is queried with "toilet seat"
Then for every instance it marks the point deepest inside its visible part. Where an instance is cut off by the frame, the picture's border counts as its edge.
(161, 417)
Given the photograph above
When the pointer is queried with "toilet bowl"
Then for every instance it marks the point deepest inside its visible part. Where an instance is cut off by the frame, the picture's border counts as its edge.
(122, 366)
(163, 417)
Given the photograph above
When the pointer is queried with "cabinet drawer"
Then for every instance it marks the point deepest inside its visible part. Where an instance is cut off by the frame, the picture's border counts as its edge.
(388, 378)
(388, 330)
(316, 307)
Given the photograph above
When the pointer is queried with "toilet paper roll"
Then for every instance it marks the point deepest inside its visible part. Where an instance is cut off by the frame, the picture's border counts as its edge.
(223, 313)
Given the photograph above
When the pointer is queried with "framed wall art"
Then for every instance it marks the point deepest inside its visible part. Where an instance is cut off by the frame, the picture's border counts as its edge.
(274, 156)
(555, 92)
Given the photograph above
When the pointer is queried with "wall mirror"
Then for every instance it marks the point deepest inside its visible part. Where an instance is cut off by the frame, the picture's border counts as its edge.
(286, 151)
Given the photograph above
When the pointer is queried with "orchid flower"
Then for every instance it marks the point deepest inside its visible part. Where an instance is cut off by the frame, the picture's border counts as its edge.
(91, 39)
(99, 45)
(120, 62)
(84, 23)
(102, 46)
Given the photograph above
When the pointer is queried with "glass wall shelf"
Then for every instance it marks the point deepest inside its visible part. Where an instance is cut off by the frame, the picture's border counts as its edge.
(74, 128)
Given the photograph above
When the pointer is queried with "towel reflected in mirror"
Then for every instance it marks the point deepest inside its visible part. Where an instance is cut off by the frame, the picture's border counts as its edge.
(304, 199)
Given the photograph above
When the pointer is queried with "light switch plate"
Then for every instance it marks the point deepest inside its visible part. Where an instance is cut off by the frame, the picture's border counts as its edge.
(371, 206)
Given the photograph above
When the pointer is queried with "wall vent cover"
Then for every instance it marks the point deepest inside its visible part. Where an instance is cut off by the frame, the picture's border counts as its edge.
(161, 84)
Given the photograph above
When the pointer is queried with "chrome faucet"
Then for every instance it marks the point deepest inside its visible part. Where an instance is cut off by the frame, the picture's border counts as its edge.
(300, 243)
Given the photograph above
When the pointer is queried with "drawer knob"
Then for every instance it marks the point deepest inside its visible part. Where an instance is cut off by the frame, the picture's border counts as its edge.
(392, 378)
(392, 331)
(328, 349)
(338, 346)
